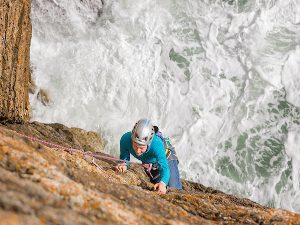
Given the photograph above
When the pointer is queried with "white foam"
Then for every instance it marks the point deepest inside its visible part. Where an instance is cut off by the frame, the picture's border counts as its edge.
(292, 148)
(203, 71)
(291, 77)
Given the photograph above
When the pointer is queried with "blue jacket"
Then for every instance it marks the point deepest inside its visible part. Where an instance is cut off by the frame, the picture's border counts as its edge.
(154, 153)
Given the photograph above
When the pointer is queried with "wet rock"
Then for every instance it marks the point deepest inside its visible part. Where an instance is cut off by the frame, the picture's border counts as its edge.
(43, 97)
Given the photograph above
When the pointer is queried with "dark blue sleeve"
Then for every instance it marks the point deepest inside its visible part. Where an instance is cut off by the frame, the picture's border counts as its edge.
(124, 148)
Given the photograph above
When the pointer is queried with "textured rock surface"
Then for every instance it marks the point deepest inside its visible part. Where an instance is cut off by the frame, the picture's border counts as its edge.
(15, 35)
(42, 185)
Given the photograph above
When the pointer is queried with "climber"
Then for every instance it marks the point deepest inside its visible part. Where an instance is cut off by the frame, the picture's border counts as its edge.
(147, 144)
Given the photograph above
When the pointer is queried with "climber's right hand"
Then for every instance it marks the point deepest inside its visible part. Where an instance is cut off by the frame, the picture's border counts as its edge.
(121, 168)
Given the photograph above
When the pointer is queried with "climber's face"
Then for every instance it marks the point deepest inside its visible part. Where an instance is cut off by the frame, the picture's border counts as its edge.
(139, 149)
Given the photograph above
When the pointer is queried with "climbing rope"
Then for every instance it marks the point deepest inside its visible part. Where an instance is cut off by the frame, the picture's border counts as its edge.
(99, 156)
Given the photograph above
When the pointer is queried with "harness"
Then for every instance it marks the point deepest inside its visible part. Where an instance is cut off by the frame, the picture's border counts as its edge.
(152, 169)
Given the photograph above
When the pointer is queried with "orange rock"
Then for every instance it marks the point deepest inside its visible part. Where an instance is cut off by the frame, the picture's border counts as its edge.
(49, 185)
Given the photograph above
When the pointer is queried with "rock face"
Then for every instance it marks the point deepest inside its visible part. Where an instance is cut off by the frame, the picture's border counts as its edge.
(15, 36)
(40, 183)
(43, 185)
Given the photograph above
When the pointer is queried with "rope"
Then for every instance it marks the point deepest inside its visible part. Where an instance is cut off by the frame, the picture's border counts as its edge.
(70, 150)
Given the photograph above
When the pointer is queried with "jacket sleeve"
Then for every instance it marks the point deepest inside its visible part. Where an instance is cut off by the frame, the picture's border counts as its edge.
(163, 163)
(124, 150)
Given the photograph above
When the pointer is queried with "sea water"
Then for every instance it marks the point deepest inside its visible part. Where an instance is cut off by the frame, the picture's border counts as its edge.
(220, 78)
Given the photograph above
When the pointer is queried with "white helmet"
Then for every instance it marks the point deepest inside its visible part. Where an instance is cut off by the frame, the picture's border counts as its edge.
(143, 132)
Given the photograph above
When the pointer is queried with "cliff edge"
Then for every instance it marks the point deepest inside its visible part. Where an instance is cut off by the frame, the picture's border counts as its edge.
(48, 185)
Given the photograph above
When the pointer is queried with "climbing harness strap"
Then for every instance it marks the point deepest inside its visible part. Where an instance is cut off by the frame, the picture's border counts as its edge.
(152, 169)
